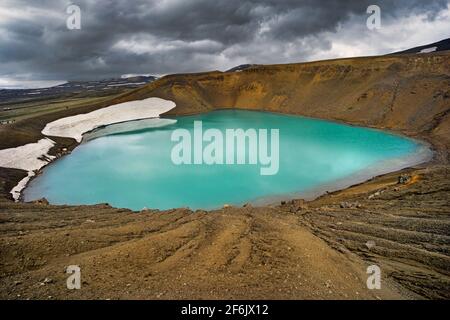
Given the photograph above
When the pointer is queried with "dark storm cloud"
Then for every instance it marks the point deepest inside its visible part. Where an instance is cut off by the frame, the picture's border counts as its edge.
(169, 36)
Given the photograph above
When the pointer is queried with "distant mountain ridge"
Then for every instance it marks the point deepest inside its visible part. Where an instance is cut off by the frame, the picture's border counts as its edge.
(241, 67)
(76, 87)
(442, 45)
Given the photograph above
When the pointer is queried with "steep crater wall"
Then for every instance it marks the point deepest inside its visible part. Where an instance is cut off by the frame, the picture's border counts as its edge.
(409, 93)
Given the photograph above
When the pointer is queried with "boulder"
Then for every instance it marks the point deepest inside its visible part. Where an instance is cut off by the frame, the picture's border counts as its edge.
(349, 205)
(297, 205)
(42, 201)
(404, 179)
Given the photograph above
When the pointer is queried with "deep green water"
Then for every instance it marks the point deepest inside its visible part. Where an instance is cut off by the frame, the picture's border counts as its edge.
(134, 169)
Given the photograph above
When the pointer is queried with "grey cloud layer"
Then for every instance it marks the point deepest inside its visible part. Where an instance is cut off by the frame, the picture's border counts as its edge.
(161, 37)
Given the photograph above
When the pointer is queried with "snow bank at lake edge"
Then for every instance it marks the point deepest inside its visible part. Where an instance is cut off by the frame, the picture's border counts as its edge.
(75, 126)
(29, 157)
(34, 156)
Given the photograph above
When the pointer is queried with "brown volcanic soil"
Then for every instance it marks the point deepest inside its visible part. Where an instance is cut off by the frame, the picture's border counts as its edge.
(317, 250)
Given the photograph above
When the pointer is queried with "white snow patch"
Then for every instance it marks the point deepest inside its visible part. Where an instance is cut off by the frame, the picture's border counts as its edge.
(126, 84)
(33, 156)
(132, 75)
(75, 126)
(27, 157)
(428, 50)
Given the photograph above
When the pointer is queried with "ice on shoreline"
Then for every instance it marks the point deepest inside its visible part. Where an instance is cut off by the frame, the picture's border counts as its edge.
(29, 157)
(75, 126)
(34, 156)
(123, 127)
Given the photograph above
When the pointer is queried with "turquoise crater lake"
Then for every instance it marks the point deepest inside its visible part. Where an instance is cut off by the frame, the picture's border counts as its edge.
(133, 168)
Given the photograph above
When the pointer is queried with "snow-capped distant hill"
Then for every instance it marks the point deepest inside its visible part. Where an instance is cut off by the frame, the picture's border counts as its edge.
(432, 47)
(241, 67)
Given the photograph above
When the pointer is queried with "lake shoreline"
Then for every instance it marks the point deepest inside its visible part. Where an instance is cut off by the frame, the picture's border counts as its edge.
(358, 178)
(66, 127)
(385, 167)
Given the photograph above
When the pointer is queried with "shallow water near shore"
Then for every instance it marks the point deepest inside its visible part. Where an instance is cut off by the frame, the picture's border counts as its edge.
(133, 169)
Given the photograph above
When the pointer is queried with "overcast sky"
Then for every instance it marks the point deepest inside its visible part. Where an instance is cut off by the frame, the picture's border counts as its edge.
(173, 36)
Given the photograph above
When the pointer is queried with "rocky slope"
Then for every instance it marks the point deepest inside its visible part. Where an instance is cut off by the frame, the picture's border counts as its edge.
(315, 250)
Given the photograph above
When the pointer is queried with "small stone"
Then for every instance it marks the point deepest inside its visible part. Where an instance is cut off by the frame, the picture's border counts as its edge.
(404, 179)
(298, 205)
(349, 205)
(41, 201)
(376, 194)
(370, 244)
(345, 205)
(47, 280)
